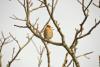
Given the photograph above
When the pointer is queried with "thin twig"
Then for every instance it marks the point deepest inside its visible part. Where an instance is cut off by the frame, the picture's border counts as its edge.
(95, 5)
(13, 52)
(36, 47)
(4, 40)
(20, 2)
(65, 60)
(52, 7)
(45, 25)
(88, 5)
(40, 58)
(34, 9)
(20, 26)
(79, 57)
(98, 6)
(48, 53)
(16, 18)
(15, 40)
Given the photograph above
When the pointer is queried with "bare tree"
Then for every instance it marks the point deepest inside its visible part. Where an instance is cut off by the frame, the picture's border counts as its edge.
(27, 4)
(34, 28)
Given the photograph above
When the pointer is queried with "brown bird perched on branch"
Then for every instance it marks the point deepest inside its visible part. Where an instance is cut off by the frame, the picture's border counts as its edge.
(48, 32)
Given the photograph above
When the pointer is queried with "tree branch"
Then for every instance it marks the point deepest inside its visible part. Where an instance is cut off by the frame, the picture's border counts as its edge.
(40, 58)
(65, 60)
(16, 18)
(89, 32)
(18, 52)
(79, 57)
(98, 6)
(79, 32)
(48, 53)
(62, 36)
(4, 40)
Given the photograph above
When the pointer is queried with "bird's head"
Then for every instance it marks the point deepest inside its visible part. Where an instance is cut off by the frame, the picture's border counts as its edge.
(48, 26)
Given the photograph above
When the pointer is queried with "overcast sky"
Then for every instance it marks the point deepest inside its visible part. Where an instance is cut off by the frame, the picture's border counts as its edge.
(69, 15)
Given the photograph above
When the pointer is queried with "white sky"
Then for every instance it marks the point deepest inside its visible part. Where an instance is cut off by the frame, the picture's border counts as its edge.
(69, 15)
